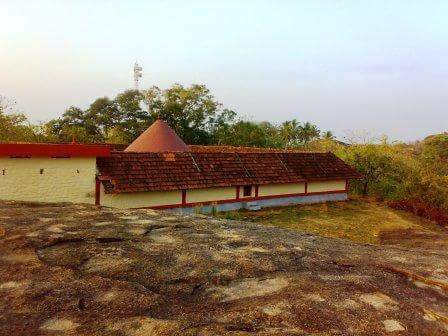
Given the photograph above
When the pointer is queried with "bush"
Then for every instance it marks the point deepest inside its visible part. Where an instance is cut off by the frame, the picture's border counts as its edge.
(396, 171)
(422, 209)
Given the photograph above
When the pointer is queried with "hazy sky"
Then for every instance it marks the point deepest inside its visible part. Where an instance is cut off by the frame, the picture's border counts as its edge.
(380, 66)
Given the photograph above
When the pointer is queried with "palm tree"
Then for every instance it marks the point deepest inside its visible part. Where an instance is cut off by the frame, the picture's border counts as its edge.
(290, 132)
(308, 132)
(328, 135)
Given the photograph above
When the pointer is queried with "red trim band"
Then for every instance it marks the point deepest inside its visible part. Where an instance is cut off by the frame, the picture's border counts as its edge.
(54, 150)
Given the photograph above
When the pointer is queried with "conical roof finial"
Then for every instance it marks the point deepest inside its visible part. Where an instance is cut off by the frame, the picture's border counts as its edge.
(159, 137)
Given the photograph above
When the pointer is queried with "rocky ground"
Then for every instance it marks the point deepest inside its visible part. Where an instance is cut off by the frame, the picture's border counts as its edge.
(75, 269)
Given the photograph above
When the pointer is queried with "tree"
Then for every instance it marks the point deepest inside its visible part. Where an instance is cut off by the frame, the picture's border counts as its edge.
(325, 145)
(294, 134)
(290, 133)
(106, 120)
(248, 133)
(14, 126)
(360, 137)
(434, 169)
(74, 124)
(132, 118)
(389, 170)
(327, 135)
(192, 111)
(435, 147)
(105, 114)
(308, 132)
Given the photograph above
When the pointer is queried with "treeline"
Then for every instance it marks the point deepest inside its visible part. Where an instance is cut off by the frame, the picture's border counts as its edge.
(392, 171)
(195, 115)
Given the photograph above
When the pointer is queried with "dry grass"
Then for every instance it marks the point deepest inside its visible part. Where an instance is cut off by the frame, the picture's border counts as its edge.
(361, 220)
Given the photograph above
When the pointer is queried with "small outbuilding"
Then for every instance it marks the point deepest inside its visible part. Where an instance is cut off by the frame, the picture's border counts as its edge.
(158, 170)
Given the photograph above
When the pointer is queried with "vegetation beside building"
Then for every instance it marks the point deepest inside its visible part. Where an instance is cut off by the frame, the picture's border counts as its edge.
(396, 171)
(362, 220)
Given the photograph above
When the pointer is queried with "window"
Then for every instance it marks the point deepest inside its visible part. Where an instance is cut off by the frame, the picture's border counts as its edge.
(247, 191)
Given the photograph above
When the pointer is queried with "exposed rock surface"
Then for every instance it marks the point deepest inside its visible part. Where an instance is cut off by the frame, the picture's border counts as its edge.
(78, 270)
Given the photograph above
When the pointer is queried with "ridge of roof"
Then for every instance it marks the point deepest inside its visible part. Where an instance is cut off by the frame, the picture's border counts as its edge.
(241, 149)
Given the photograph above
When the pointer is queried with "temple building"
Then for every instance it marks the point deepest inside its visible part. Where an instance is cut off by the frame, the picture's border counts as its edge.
(158, 170)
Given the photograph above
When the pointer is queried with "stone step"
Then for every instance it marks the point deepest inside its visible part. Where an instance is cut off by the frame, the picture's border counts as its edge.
(252, 206)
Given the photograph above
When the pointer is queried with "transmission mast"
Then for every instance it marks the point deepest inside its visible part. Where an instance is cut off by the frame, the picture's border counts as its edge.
(138, 73)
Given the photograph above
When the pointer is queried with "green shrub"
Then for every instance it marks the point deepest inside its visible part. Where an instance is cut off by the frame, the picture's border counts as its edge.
(395, 171)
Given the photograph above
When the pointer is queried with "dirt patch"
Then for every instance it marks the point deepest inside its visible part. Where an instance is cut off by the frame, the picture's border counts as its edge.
(106, 264)
(249, 288)
(144, 326)
(392, 325)
(379, 301)
(416, 238)
(59, 324)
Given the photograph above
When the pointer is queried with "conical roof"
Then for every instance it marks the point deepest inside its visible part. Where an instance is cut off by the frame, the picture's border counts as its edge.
(159, 137)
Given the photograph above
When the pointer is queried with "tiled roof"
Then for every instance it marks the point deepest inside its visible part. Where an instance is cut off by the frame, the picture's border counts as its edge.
(132, 172)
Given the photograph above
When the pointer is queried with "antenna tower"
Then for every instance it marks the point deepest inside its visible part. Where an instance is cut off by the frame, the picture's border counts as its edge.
(138, 73)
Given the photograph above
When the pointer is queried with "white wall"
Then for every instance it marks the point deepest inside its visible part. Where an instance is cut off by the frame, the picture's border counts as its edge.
(62, 179)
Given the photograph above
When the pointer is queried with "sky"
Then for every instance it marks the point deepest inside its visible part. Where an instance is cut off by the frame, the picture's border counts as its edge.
(370, 67)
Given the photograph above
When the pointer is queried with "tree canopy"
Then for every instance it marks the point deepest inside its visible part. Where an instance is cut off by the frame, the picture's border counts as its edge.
(248, 133)
(14, 126)
(193, 112)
